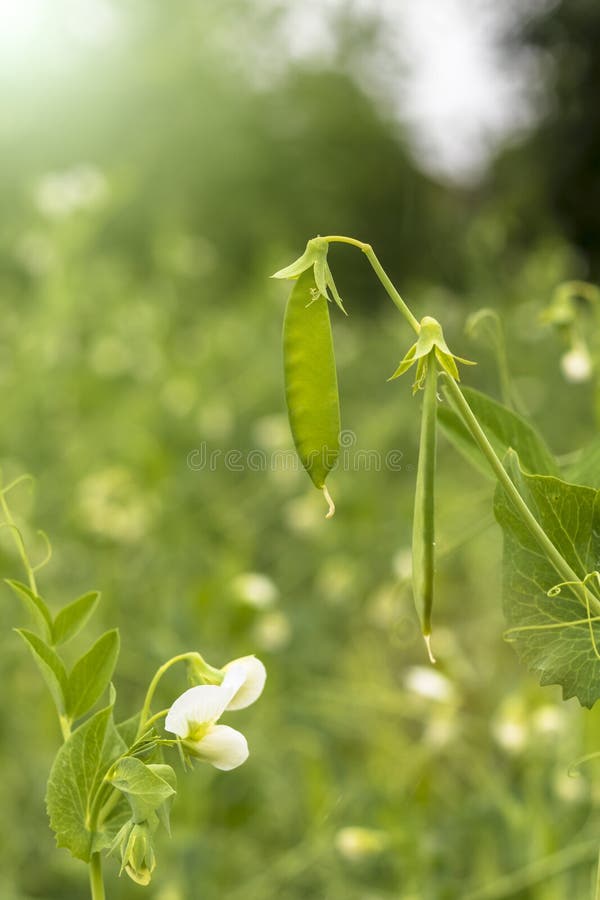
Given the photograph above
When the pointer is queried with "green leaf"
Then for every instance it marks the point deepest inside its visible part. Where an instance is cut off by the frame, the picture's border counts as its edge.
(504, 429)
(76, 775)
(587, 468)
(164, 811)
(50, 665)
(554, 635)
(71, 618)
(91, 674)
(145, 787)
(34, 605)
(128, 729)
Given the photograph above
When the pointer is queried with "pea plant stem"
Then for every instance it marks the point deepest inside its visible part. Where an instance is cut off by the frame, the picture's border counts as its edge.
(96, 880)
(553, 555)
(466, 413)
(381, 274)
(181, 657)
(63, 721)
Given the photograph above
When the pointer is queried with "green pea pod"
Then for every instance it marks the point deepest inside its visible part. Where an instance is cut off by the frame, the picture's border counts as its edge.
(423, 544)
(311, 381)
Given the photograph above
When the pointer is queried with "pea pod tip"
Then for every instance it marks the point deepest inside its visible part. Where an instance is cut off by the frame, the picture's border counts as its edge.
(328, 497)
(427, 639)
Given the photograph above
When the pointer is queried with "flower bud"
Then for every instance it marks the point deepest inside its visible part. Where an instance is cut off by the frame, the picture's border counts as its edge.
(134, 841)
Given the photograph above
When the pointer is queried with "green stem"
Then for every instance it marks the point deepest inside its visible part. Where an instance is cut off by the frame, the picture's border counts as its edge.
(553, 555)
(96, 880)
(597, 881)
(381, 274)
(156, 717)
(181, 657)
(65, 727)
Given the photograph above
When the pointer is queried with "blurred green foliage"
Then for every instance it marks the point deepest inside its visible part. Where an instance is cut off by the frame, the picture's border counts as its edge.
(150, 183)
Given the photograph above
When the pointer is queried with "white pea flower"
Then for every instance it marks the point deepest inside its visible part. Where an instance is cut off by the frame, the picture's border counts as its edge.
(245, 678)
(193, 718)
(194, 715)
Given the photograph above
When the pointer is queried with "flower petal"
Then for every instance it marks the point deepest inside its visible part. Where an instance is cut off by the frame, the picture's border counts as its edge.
(199, 705)
(244, 679)
(223, 747)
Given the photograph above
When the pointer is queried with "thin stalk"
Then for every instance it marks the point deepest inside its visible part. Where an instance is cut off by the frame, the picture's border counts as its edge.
(18, 541)
(597, 881)
(96, 880)
(381, 274)
(553, 555)
(181, 657)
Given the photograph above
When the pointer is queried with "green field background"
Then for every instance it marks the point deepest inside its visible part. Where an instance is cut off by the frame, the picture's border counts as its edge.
(150, 184)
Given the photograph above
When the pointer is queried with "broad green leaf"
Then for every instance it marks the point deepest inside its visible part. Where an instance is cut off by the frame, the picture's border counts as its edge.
(76, 775)
(34, 605)
(128, 729)
(587, 468)
(145, 787)
(91, 674)
(504, 429)
(71, 618)
(50, 665)
(554, 635)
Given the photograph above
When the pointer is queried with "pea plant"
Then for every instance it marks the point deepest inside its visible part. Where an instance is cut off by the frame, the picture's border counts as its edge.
(548, 510)
(110, 789)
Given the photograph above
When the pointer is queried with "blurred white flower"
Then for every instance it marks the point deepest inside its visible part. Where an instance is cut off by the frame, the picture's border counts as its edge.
(110, 504)
(548, 721)
(255, 590)
(509, 725)
(429, 683)
(60, 194)
(273, 631)
(355, 843)
(576, 364)
(402, 564)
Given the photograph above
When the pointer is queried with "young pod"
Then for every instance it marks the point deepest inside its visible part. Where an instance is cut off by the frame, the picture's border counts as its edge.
(311, 380)
(423, 544)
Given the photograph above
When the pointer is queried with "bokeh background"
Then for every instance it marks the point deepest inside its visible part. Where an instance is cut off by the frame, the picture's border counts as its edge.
(159, 160)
